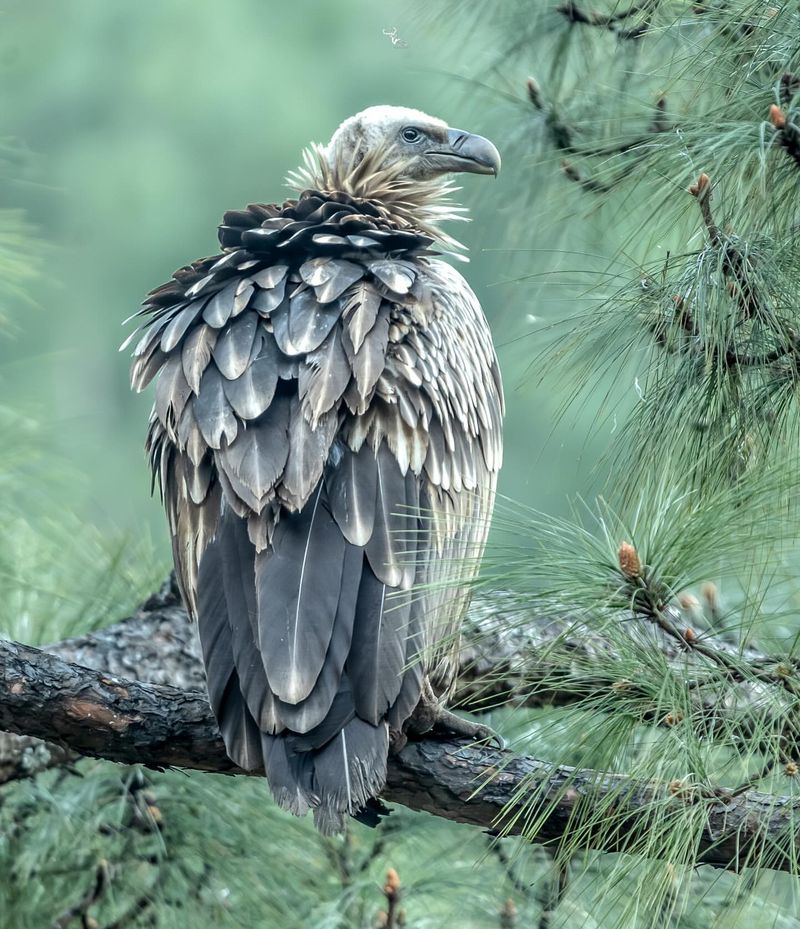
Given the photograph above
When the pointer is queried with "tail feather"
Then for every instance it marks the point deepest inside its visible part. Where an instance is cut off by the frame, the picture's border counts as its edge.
(348, 772)
(289, 774)
(238, 727)
(306, 645)
(311, 713)
(238, 584)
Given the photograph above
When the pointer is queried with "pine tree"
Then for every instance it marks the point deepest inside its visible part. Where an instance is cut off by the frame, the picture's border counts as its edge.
(658, 145)
(674, 128)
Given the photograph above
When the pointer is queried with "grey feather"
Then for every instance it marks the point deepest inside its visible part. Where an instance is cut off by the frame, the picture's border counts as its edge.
(239, 730)
(396, 499)
(145, 368)
(361, 310)
(370, 359)
(346, 273)
(308, 452)
(309, 321)
(220, 307)
(352, 488)
(314, 713)
(198, 480)
(252, 392)
(298, 593)
(362, 241)
(230, 260)
(172, 391)
(196, 354)
(349, 771)
(255, 460)
(152, 334)
(232, 351)
(241, 300)
(316, 271)
(399, 278)
(179, 324)
(267, 301)
(270, 277)
(324, 377)
(204, 286)
(376, 661)
(342, 710)
(212, 410)
(280, 330)
(289, 775)
(239, 582)
(190, 439)
(321, 238)
(330, 277)
(411, 687)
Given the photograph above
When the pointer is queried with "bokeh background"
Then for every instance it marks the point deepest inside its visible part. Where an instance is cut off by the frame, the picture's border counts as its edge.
(130, 128)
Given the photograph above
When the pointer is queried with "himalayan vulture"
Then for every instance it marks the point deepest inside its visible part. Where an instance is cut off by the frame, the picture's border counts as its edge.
(326, 436)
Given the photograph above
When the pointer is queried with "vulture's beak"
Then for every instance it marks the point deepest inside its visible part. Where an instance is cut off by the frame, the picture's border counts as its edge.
(465, 152)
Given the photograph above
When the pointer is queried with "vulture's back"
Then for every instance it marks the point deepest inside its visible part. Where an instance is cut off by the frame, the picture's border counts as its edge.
(326, 435)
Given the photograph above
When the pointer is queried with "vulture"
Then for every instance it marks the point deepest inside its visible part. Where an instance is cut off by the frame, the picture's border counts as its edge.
(326, 436)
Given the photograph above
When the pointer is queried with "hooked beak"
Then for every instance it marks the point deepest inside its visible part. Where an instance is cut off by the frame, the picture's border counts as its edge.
(467, 153)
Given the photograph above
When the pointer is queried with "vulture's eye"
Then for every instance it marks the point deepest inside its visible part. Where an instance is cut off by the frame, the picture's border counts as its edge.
(410, 134)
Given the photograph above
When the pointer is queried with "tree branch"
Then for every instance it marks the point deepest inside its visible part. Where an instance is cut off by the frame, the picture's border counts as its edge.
(104, 716)
(539, 659)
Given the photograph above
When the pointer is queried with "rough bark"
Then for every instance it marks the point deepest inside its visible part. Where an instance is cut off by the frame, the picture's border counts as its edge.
(105, 716)
(158, 644)
(535, 659)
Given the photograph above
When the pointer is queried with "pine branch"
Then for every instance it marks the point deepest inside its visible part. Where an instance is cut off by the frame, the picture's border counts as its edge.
(80, 910)
(576, 14)
(547, 660)
(96, 714)
(786, 133)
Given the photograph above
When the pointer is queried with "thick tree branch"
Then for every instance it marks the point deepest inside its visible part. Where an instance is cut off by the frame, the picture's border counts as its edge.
(103, 716)
(539, 659)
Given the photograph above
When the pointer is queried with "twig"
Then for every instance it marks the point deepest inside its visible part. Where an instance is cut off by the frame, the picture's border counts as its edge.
(496, 847)
(553, 893)
(735, 267)
(733, 358)
(508, 915)
(574, 13)
(701, 190)
(80, 910)
(562, 139)
(789, 86)
(139, 905)
(588, 184)
(393, 917)
(786, 133)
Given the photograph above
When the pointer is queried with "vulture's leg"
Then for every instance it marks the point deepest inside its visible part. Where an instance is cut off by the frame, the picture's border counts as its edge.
(431, 716)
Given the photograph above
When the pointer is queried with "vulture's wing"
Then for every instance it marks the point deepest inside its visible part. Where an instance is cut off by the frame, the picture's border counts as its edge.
(455, 359)
(321, 382)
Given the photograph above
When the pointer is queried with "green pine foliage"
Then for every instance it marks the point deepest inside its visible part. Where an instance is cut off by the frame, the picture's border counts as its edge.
(674, 128)
(652, 210)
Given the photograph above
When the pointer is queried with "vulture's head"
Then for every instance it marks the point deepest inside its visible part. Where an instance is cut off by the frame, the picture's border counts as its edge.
(411, 144)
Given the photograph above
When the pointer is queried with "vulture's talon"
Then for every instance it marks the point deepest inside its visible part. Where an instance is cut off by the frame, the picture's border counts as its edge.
(397, 741)
(449, 722)
(430, 716)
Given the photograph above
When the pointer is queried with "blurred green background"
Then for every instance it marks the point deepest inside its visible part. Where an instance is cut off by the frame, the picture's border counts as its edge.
(126, 130)
(130, 128)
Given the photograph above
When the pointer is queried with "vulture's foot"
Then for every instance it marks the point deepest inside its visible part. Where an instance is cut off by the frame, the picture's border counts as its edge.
(451, 724)
(431, 717)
